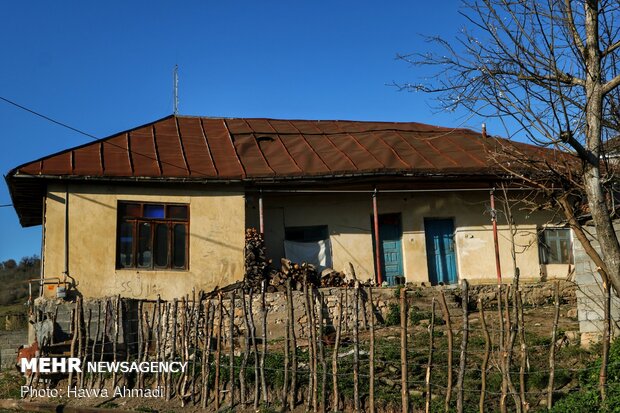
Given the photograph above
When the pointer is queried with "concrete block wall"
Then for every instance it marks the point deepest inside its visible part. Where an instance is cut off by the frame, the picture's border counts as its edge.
(9, 343)
(590, 295)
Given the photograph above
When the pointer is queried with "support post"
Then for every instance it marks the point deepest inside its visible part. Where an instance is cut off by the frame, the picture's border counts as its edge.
(261, 214)
(66, 270)
(495, 238)
(375, 214)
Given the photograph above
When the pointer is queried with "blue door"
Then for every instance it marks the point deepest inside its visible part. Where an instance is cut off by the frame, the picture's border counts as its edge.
(390, 248)
(440, 253)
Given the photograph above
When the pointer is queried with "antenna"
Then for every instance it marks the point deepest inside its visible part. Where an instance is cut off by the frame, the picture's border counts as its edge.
(175, 88)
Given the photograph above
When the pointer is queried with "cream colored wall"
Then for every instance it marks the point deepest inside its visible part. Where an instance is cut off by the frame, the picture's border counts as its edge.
(348, 217)
(215, 245)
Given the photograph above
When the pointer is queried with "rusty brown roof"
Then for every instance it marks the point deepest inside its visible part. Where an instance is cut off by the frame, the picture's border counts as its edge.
(248, 149)
(253, 149)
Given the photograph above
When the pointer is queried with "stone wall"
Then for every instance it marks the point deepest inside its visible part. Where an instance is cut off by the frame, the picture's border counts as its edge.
(533, 294)
(95, 315)
(275, 303)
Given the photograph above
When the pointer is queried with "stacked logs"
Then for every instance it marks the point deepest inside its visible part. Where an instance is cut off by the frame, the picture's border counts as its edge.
(296, 272)
(257, 269)
(332, 278)
(256, 262)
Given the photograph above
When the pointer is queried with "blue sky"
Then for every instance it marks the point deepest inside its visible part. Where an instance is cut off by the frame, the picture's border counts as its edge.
(107, 68)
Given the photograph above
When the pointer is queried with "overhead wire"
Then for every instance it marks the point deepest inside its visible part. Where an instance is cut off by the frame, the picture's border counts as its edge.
(91, 136)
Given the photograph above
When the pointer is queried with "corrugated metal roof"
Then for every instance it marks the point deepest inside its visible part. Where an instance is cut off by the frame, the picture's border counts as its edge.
(258, 149)
(248, 149)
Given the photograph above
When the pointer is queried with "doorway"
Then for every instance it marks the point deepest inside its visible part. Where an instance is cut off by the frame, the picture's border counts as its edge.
(440, 250)
(390, 248)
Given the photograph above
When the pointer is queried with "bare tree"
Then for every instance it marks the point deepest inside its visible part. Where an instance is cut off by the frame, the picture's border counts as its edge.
(551, 66)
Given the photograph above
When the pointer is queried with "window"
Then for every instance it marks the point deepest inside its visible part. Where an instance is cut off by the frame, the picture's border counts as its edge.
(152, 236)
(306, 234)
(308, 244)
(555, 246)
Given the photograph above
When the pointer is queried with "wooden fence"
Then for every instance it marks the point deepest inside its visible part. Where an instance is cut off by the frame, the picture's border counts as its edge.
(430, 355)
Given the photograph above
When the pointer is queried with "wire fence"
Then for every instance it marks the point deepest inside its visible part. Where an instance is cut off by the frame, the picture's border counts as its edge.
(435, 355)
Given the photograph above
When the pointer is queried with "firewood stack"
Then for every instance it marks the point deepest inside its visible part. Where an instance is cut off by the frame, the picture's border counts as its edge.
(332, 278)
(296, 272)
(256, 262)
(257, 269)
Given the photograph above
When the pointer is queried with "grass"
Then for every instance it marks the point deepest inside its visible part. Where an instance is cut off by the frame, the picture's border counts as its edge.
(10, 383)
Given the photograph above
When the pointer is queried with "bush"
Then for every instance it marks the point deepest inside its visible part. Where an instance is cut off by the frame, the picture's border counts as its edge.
(393, 316)
(14, 276)
(580, 401)
(588, 399)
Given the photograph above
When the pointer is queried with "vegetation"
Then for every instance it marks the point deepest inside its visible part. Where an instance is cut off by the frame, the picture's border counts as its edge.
(14, 276)
(10, 384)
(586, 398)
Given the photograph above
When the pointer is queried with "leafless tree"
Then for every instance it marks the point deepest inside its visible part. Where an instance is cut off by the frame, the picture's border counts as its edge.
(551, 66)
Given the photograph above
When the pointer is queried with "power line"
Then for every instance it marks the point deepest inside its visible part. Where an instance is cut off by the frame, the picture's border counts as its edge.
(6, 205)
(64, 125)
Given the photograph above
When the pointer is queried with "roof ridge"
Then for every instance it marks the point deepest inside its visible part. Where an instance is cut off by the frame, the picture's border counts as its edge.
(324, 120)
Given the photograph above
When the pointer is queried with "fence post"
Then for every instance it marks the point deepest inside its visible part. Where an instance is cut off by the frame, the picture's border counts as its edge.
(336, 398)
(403, 350)
(371, 355)
(291, 316)
(322, 354)
(356, 347)
(287, 345)
(446, 316)
(263, 308)
(463, 357)
(554, 330)
(485, 359)
(218, 351)
(429, 366)
(231, 354)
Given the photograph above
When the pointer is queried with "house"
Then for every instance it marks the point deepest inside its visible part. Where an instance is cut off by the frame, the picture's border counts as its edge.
(162, 208)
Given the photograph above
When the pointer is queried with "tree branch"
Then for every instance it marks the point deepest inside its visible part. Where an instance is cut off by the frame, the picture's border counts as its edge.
(611, 85)
(610, 48)
(572, 28)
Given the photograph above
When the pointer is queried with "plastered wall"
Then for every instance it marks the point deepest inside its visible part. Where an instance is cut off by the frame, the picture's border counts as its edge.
(215, 245)
(348, 217)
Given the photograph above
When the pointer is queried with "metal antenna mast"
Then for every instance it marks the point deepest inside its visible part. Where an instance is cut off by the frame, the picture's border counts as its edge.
(175, 86)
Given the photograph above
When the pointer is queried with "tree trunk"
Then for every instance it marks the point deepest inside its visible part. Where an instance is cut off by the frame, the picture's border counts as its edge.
(594, 114)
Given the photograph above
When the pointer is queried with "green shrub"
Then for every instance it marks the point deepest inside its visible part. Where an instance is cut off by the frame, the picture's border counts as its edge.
(588, 399)
(580, 401)
(10, 383)
(538, 379)
(393, 316)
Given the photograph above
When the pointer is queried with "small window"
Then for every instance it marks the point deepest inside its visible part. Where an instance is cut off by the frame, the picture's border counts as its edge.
(306, 234)
(308, 244)
(152, 236)
(555, 246)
